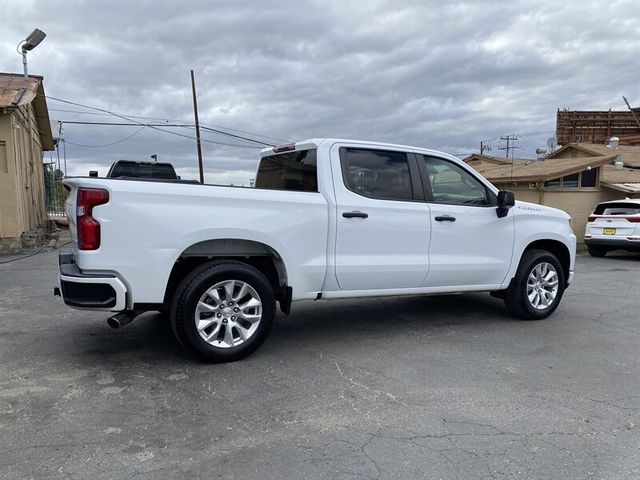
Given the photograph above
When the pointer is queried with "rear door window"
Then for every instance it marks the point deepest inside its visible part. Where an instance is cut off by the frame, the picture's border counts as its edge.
(379, 174)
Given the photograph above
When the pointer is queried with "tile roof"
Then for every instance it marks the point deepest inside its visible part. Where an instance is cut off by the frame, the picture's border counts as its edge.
(624, 187)
(539, 170)
(630, 153)
(11, 84)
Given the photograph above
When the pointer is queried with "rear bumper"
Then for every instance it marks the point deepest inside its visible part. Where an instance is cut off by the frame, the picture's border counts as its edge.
(89, 291)
(631, 245)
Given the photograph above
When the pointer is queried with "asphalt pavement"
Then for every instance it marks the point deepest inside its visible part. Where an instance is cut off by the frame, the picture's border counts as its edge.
(441, 387)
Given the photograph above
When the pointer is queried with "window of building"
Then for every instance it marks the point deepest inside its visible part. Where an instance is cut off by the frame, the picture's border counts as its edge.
(585, 179)
(379, 174)
(296, 171)
(589, 178)
(571, 181)
(555, 183)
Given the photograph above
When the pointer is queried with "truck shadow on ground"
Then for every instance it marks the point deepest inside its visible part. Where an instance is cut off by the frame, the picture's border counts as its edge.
(388, 314)
(150, 337)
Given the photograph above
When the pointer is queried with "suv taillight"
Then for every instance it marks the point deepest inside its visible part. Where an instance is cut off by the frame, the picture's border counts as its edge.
(89, 227)
(591, 219)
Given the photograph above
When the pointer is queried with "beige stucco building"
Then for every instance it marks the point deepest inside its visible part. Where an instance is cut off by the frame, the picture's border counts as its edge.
(575, 178)
(25, 132)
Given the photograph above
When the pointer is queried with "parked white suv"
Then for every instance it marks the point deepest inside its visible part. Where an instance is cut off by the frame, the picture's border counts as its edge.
(613, 225)
(327, 219)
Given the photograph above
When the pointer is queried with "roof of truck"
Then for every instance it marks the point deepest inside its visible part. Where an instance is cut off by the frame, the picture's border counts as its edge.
(316, 142)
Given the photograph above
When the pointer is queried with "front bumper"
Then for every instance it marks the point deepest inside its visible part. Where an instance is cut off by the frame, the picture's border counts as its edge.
(89, 291)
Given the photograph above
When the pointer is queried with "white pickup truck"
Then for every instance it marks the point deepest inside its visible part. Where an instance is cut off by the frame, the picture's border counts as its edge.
(327, 219)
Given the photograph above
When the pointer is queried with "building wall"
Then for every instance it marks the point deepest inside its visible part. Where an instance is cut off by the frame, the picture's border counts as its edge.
(577, 203)
(22, 205)
(571, 153)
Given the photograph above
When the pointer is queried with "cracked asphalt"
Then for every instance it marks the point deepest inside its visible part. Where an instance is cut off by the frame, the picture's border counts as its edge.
(444, 387)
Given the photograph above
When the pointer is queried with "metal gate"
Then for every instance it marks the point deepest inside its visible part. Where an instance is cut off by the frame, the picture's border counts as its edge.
(55, 193)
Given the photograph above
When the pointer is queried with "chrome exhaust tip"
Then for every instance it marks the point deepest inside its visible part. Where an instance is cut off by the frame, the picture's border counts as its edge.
(121, 319)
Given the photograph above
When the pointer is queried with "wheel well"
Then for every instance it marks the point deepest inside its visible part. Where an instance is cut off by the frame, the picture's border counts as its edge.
(258, 255)
(559, 249)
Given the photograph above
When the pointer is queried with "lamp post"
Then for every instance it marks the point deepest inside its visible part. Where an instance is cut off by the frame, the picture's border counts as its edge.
(155, 157)
(26, 45)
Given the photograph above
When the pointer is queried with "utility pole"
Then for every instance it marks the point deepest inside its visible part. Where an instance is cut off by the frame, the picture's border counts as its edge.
(195, 112)
(509, 139)
(484, 147)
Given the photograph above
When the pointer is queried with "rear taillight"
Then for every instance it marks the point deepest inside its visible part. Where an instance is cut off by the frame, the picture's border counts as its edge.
(284, 148)
(591, 219)
(89, 227)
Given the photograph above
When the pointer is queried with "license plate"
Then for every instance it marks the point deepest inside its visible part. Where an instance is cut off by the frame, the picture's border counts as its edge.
(608, 231)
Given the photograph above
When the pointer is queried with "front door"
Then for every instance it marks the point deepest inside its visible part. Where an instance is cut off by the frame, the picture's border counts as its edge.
(470, 245)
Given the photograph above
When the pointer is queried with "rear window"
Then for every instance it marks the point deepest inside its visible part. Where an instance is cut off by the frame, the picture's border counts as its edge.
(620, 208)
(297, 171)
(144, 170)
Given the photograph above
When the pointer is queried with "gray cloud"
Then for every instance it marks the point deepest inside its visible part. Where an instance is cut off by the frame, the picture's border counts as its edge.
(443, 75)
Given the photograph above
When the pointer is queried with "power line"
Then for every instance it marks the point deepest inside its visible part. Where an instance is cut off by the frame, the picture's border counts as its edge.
(107, 144)
(78, 122)
(130, 119)
(142, 125)
(169, 122)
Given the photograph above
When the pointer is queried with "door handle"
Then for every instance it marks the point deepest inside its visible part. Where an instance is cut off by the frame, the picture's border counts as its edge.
(445, 218)
(355, 215)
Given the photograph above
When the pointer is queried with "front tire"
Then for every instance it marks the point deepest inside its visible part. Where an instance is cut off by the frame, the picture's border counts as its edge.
(538, 286)
(223, 311)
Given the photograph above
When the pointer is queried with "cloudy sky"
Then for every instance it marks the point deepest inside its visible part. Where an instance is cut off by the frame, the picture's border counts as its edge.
(435, 74)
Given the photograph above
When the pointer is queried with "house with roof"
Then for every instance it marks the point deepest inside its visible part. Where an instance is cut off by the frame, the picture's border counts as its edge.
(575, 178)
(25, 133)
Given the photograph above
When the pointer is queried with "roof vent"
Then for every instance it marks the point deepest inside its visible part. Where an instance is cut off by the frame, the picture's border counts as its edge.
(618, 163)
(613, 142)
(541, 153)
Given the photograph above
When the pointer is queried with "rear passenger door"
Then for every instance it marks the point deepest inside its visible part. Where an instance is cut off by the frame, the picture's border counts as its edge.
(383, 228)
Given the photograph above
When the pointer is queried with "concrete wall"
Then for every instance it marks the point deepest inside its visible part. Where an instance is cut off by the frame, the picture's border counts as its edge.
(22, 205)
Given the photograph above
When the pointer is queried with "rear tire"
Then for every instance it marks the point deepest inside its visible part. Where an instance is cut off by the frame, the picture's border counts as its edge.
(223, 311)
(538, 286)
(596, 251)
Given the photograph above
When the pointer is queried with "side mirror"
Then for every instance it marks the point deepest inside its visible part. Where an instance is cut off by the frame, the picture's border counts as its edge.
(93, 173)
(506, 200)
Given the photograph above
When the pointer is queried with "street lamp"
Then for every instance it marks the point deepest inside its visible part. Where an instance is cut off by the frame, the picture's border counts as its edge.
(24, 46)
(28, 44)
(155, 157)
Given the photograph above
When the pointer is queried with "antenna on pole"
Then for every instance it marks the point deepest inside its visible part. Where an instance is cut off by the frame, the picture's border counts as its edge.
(198, 142)
(631, 110)
(510, 146)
